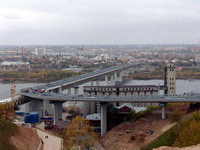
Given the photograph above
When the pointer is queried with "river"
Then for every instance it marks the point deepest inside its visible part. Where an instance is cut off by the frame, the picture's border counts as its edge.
(5, 88)
(182, 86)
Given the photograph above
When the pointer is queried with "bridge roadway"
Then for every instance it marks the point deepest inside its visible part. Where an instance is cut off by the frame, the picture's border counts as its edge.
(193, 98)
(33, 94)
(58, 99)
(70, 82)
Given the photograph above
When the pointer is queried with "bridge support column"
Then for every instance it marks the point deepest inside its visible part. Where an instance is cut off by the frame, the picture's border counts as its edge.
(106, 80)
(92, 107)
(48, 108)
(37, 106)
(103, 118)
(163, 109)
(112, 81)
(91, 83)
(76, 92)
(97, 83)
(59, 90)
(69, 91)
(57, 111)
(118, 77)
(27, 107)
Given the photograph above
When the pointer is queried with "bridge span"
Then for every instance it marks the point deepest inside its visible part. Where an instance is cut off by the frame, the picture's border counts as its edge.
(185, 98)
(51, 92)
(60, 85)
(58, 99)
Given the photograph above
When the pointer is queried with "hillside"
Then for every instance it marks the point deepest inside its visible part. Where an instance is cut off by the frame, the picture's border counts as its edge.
(132, 135)
(13, 137)
(141, 132)
(185, 133)
(7, 130)
(25, 139)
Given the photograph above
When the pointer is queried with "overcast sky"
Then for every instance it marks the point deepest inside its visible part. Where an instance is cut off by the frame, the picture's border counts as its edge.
(99, 22)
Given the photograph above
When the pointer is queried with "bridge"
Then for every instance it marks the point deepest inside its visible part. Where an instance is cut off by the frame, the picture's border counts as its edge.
(58, 99)
(51, 92)
(116, 72)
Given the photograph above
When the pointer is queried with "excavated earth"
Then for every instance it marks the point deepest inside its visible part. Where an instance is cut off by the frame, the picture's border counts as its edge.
(139, 133)
(25, 139)
(133, 135)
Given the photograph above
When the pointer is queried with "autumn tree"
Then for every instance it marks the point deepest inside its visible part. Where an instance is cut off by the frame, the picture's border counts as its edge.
(6, 111)
(79, 134)
(190, 135)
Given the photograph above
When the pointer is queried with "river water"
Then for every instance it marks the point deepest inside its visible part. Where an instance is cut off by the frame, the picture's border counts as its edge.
(5, 88)
(182, 86)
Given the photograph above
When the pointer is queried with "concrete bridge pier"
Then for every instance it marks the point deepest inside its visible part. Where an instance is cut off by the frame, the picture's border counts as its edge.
(69, 91)
(59, 90)
(57, 111)
(118, 77)
(27, 107)
(48, 108)
(37, 106)
(106, 80)
(91, 83)
(92, 107)
(76, 90)
(103, 107)
(97, 83)
(109, 80)
(163, 109)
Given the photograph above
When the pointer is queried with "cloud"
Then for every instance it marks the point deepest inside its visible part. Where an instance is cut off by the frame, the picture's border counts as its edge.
(99, 22)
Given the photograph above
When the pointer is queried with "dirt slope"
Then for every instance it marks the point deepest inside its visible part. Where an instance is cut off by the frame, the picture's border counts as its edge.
(132, 135)
(194, 147)
(26, 139)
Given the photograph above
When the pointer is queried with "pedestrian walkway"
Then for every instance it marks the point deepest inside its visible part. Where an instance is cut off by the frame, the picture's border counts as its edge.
(50, 142)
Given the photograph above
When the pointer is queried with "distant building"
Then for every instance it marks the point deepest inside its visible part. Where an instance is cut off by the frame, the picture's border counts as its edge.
(105, 57)
(40, 51)
(8, 63)
(197, 58)
(95, 121)
(73, 68)
(125, 108)
(170, 79)
(52, 52)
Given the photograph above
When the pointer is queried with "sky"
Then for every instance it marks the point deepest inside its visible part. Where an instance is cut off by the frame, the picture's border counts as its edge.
(49, 22)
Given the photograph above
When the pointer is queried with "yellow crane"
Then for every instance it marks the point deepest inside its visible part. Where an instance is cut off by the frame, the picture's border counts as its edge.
(13, 90)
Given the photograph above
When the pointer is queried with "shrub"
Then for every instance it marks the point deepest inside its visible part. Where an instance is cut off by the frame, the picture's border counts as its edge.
(131, 115)
(190, 135)
(176, 115)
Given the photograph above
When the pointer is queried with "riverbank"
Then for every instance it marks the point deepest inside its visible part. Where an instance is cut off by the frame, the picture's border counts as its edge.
(45, 76)
(184, 74)
(36, 76)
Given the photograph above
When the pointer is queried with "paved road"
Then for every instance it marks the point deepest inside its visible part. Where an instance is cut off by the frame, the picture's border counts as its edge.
(51, 142)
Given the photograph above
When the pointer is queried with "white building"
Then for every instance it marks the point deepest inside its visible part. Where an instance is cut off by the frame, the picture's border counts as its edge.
(105, 57)
(8, 63)
(40, 51)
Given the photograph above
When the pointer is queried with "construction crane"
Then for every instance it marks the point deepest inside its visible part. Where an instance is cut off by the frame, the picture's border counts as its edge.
(13, 90)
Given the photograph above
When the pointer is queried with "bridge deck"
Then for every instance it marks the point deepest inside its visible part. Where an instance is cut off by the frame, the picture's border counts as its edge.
(84, 77)
(138, 99)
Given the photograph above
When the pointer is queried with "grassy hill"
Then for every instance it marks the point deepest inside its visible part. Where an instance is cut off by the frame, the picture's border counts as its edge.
(185, 133)
(7, 129)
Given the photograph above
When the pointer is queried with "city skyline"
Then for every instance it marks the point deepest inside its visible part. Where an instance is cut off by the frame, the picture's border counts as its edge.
(106, 22)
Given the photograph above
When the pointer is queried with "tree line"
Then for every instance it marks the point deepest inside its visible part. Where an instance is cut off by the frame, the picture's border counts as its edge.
(36, 76)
